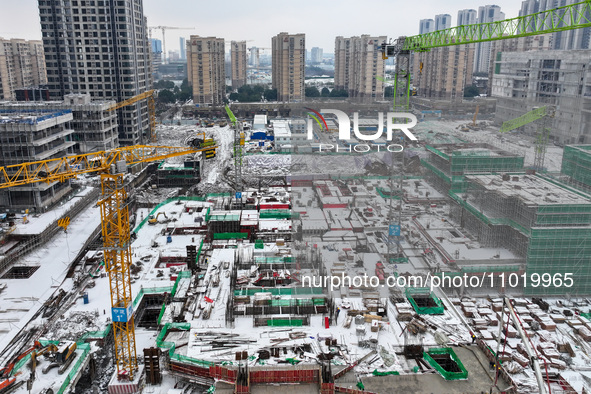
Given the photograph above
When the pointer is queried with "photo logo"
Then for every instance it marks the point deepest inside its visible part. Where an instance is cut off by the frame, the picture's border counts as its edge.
(345, 122)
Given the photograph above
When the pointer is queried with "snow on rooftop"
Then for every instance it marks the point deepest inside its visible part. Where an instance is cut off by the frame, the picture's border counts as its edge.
(529, 188)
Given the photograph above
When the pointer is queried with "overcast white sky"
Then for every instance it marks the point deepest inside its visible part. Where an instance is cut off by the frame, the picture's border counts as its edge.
(259, 20)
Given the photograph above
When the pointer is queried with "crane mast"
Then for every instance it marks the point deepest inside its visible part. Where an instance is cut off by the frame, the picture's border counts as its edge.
(115, 227)
(569, 17)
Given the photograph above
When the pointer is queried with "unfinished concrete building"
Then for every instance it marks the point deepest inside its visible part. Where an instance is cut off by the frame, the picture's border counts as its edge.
(542, 42)
(576, 166)
(94, 127)
(561, 79)
(29, 136)
(538, 219)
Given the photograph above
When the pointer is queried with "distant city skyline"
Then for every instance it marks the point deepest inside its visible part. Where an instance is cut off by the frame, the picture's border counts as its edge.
(320, 21)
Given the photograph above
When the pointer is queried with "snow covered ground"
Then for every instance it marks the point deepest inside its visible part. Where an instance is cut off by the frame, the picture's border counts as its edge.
(514, 142)
(23, 297)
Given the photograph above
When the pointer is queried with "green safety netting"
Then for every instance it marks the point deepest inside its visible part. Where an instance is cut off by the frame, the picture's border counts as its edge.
(398, 260)
(82, 351)
(451, 168)
(299, 302)
(199, 252)
(285, 322)
(162, 310)
(576, 163)
(435, 307)
(490, 221)
(223, 217)
(377, 373)
(230, 236)
(171, 346)
(85, 347)
(181, 275)
(447, 375)
(278, 214)
(279, 291)
(96, 334)
(150, 290)
(160, 290)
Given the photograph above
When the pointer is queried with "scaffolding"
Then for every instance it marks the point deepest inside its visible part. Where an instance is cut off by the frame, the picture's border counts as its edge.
(450, 163)
(576, 164)
(546, 223)
(424, 301)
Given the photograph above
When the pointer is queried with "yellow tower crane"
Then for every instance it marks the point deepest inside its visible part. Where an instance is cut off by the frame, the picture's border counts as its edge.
(151, 109)
(112, 167)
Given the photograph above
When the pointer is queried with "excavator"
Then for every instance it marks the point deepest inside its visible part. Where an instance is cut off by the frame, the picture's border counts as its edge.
(201, 142)
(61, 357)
(35, 351)
(7, 370)
(152, 220)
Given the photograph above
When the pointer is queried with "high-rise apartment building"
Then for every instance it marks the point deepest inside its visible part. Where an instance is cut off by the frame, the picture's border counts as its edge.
(288, 66)
(253, 56)
(359, 67)
(426, 26)
(238, 59)
(100, 48)
(183, 45)
(467, 17)
(205, 69)
(482, 54)
(568, 39)
(156, 46)
(316, 55)
(22, 65)
(442, 22)
(445, 73)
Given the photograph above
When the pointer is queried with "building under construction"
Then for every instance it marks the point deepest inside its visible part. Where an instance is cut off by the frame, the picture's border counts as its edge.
(448, 164)
(576, 165)
(545, 222)
(524, 80)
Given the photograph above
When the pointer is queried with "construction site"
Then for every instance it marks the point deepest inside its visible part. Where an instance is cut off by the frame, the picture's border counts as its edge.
(234, 254)
(313, 276)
